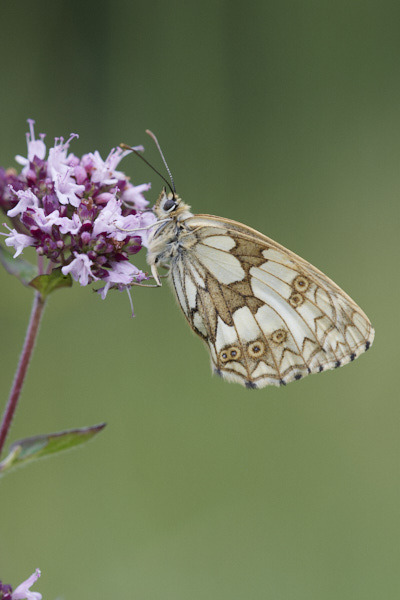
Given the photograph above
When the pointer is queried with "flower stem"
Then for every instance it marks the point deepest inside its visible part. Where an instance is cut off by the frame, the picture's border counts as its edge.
(29, 343)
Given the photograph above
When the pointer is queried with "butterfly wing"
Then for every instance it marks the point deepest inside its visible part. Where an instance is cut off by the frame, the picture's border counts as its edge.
(267, 316)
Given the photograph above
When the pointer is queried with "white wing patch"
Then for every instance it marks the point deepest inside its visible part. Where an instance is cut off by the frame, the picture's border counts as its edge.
(222, 265)
(191, 292)
(246, 324)
(199, 324)
(277, 256)
(198, 279)
(226, 335)
(220, 242)
(279, 271)
(176, 278)
(261, 276)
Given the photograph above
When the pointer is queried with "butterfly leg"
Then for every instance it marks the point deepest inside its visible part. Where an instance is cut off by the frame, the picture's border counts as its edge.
(145, 285)
(154, 272)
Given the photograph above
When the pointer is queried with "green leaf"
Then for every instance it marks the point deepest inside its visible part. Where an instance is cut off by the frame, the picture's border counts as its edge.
(19, 267)
(39, 446)
(45, 284)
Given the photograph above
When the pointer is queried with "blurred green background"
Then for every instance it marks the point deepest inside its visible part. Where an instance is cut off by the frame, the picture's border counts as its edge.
(283, 115)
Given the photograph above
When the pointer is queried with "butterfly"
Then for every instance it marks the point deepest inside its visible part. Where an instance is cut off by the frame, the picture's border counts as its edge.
(267, 316)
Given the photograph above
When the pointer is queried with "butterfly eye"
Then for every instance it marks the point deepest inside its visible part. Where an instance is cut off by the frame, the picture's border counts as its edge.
(169, 205)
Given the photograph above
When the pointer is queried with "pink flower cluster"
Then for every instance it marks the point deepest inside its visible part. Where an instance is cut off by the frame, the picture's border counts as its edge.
(76, 212)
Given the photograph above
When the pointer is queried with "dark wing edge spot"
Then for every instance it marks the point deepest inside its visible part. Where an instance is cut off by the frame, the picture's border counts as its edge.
(250, 385)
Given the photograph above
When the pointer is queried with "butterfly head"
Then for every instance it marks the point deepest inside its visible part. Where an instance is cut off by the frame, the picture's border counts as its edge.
(170, 205)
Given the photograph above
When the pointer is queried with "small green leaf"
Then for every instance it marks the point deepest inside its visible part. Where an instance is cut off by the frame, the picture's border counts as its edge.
(45, 284)
(19, 267)
(38, 446)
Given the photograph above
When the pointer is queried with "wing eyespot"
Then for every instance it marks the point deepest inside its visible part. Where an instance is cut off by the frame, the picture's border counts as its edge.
(296, 300)
(279, 336)
(256, 349)
(230, 353)
(301, 283)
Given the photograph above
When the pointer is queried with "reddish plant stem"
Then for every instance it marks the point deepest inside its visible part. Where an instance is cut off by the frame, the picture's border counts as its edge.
(29, 343)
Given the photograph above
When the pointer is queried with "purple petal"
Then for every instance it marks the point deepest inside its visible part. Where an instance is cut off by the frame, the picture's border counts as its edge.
(22, 592)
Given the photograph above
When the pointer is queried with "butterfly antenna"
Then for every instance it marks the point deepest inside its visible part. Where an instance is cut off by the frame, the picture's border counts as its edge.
(153, 137)
(126, 147)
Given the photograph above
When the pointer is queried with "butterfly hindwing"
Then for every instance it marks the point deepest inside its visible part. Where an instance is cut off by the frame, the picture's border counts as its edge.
(266, 315)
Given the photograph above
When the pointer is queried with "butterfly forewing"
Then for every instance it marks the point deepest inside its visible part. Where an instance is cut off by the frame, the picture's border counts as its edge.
(267, 316)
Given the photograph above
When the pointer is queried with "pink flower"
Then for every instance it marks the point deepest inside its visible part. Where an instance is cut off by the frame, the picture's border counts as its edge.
(27, 199)
(45, 222)
(123, 273)
(58, 160)
(22, 592)
(80, 269)
(35, 147)
(18, 241)
(109, 219)
(121, 277)
(105, 170)
(61, 172)
(71, 226)
(134, 195)
(67, 189)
